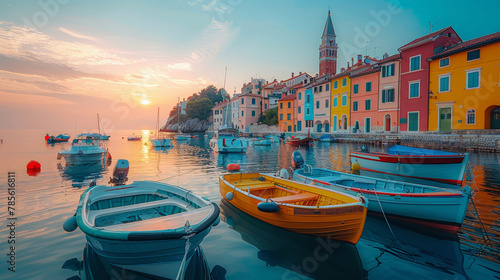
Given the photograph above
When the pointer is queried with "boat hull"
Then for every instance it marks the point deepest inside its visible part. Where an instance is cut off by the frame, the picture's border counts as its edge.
(81, 159)
(446, 169)
(346, 225)
(445, 209)
(229, 145)
(305, 142)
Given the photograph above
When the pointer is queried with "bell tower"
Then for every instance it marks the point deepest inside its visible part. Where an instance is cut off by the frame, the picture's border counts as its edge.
(328, 50)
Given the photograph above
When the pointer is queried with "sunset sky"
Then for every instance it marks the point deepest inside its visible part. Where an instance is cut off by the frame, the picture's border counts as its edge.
(64, 61)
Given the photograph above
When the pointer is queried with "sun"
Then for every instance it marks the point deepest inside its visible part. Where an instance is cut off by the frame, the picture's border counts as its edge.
(145, 102)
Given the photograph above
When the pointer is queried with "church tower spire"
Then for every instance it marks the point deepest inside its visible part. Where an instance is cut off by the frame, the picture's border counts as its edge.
(328, 49)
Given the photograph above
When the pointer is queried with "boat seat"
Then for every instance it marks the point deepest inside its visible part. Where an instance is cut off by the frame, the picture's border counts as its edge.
(295, 198)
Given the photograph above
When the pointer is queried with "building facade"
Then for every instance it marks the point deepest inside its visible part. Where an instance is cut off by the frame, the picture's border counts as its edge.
(365, 116)
(321, 104)
(249, 109)
(465, 86)
(221, 115)
(286, 110)
(388, 98)
(340, 102)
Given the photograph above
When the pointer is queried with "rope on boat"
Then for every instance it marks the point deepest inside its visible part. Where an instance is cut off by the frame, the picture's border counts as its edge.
(383, 213)
(485, 235)
(182, 267)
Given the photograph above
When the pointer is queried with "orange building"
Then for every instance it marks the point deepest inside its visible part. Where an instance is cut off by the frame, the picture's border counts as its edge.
(286, 110)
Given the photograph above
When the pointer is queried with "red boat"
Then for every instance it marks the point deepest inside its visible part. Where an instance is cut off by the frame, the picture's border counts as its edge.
(300, 141)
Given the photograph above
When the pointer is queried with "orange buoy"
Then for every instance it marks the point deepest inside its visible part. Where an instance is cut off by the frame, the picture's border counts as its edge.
(33, 168)
(233, 167)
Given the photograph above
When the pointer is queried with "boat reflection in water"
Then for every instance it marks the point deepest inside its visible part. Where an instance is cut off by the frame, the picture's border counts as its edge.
(92, 267)
(413, 248)
(228, 158)
(306, 255)
(163, 149)
(82, 175)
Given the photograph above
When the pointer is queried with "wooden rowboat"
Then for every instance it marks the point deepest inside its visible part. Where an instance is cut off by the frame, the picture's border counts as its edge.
(296, 206)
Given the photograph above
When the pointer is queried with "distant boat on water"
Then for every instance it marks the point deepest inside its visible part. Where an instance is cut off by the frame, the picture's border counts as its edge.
(134, 138)
(57, 139)
(159, 140)
(98, 135)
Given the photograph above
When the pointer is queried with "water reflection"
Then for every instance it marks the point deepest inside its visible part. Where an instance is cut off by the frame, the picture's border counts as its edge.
(82, 175)
(300, 254)
(92, 267)
(224, 159)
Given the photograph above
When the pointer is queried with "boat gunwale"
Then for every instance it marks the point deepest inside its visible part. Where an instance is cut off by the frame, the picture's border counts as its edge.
(359, 201)
(461, 155)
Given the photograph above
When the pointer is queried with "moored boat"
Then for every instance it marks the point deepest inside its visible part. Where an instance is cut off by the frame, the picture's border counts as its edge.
(262, 142)
(82, 151)
(144, 222)
(227, 140)
(134, 138)
(327, 138)
(159, 141)
(295, 206)
(300, 141)
(416, 163)
(428, 205)
(57, 139)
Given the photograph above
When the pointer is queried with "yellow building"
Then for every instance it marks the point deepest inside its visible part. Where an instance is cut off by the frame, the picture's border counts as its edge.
(340, 102)
(464, 89)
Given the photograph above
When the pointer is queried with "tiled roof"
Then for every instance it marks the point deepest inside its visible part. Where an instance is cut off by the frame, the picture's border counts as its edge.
(270, 84)
(220, 105)
(426, 37)
(366, 72)
(474, 43)
(294, 77)
(288, 97)
(249, 94)
(328, 26)
(390, 58)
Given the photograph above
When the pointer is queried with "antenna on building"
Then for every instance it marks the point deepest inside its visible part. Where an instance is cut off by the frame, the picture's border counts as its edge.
(432, 25)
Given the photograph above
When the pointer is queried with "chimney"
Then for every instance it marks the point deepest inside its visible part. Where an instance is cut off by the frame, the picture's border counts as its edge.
(316, 75)
(300, 73)
(386, 55)
(360, 57)
(352, 60)
(342, 70)
(292, 74)
(348, 64)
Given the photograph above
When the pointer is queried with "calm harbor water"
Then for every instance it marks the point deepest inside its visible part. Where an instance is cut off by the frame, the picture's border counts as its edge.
(245, 247)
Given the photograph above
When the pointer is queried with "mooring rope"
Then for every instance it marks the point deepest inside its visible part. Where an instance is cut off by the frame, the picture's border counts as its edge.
(383, 214)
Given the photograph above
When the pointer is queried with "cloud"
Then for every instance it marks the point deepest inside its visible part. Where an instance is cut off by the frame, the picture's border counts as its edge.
(180, 66)
(49, 70)
(77, 35)
(42, 85)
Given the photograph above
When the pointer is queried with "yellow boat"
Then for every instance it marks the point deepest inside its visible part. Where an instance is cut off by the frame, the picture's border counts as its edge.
(295, 206)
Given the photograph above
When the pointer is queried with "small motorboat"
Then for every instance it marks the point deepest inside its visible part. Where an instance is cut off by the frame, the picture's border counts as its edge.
(82, 151)
(415, 163)
(227, 140)
(182, 136)
(134, 138)
(427, 205)
(262, 142)
(300, 141)
(327, 138)
(144, 223)
(295, 206)
(57, 139)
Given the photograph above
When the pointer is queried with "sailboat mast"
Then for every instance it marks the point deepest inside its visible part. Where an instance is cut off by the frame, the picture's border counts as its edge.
(178, 115)
(98, 124)
(157, 123)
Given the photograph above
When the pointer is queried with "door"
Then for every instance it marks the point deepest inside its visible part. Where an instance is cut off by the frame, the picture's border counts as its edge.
(367, 125)
(445, 119)
(413, 121)
(495, 118)
(387, 123)
(334, 123)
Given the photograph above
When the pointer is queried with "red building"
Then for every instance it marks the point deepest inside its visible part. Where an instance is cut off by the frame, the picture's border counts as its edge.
(414, 102)
(328, 50)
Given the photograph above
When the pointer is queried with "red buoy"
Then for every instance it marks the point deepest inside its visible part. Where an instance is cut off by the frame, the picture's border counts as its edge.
(33, 168)
(233, 167)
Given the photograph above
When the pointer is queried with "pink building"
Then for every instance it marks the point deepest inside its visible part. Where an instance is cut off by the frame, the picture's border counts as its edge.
(388, 99)
(414, 102)
(365, 116)
(249, 109)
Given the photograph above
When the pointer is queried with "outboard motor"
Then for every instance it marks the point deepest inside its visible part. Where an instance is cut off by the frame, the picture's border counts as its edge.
(120, 173)
(297, 160)
(365, 149)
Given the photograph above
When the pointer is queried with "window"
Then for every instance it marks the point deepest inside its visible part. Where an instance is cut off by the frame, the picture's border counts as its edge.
(335, 84)
(335, 102)
(368, 104)
(289, 104)
(344, 100)
(265, 106)
(327, 86)
(326, 103)
(243, 101)
(298, 109)
(473, 78)
(315, 89)
(288, 116)
(281, 117)
(317, 104)
(281, 105)
(415, 63)
(242, 113)
(344, 82)
(355, 88)
(444, 83)
(388, 70)
(413, 121)
(307, 97)
(388, 95)
(253, 101)
(444, 62)
(355, 106)
(253, 113)
(414, 90)
(368, 86)
(320, 88)
(300, 95)
(307, 111)
(471, 116)
(473, 55)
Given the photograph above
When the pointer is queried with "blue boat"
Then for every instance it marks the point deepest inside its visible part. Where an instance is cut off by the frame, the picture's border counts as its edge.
(327, 138)
(428, 205)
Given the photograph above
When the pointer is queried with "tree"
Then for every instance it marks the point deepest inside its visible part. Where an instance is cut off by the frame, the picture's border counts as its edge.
(199, 109)
(271, 117)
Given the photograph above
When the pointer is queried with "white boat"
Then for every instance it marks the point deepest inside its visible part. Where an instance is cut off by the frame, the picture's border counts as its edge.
(134, 138)
(227, 140)
(160, 141)
(99, 135)
(82, 151)
(143, 224)
(427, 205)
